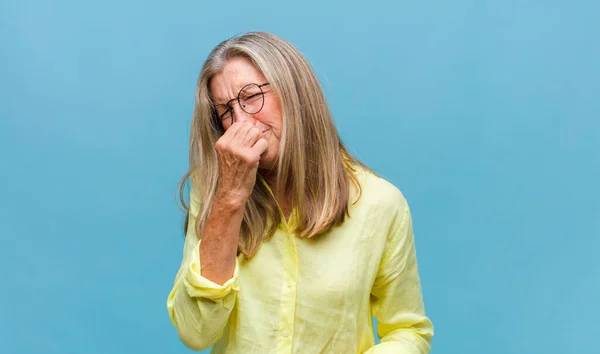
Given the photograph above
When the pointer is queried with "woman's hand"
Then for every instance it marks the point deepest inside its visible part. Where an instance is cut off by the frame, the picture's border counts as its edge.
(239, 151)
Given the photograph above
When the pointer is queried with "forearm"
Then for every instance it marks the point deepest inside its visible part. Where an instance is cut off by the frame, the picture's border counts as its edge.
(199, 308)
(220, 237)
(200, 320)
(204, 292)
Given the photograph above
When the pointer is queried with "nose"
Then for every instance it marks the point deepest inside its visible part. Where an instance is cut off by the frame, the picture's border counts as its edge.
(242, 116)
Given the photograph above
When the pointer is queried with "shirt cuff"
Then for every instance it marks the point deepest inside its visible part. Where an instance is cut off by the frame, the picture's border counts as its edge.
(198, 286)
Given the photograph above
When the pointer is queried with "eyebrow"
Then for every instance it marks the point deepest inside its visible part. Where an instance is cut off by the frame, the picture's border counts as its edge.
(226, 103)
(213, 99)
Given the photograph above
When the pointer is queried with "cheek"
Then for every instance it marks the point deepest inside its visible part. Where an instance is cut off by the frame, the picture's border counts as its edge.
(272, 114)
(226, 124)
(273, 148)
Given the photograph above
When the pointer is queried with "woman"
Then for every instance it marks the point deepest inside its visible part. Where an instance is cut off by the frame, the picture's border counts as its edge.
(292, 244)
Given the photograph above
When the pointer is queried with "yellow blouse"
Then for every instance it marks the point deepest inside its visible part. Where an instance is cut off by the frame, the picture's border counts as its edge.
(313, 295)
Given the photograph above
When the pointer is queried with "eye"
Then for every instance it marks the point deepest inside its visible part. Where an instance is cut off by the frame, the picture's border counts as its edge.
(226, 114)
(222, 111)
(255, 95)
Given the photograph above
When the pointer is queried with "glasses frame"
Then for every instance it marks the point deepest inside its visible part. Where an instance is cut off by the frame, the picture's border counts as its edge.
(219, 118)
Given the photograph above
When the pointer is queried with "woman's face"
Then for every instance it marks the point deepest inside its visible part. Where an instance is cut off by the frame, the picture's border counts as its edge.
(225, 87)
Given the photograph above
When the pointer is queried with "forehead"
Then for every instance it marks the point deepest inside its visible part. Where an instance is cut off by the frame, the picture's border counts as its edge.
(236, 73)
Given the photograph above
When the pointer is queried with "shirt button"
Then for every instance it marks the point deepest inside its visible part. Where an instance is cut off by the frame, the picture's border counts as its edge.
(286, 333)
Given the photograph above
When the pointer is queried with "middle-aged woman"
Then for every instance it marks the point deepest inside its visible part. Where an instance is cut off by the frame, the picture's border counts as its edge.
(292, 244)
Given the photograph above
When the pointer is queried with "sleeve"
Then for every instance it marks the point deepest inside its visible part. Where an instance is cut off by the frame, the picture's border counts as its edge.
(396, 298)
(199, 308)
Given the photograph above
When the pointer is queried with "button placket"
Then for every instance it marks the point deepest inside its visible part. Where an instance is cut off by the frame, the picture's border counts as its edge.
(288, 294)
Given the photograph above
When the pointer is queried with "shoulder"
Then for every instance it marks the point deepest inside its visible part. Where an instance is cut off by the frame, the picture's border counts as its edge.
(381, 212)
(378, 192)
(378, 203)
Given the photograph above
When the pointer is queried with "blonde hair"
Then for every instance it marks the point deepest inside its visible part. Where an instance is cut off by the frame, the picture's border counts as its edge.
(313, 166)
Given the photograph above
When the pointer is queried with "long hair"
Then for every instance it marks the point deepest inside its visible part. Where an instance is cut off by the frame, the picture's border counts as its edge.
(313, 167)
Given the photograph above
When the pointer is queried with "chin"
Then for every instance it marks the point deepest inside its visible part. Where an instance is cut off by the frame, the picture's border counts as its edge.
(265, 165)
(267, 162)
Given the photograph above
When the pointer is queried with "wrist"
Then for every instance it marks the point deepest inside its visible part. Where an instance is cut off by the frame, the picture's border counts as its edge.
(229, 204)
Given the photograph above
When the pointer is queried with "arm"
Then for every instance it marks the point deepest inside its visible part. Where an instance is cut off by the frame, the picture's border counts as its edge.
(199, 308)
(396, 298)
(205, 288)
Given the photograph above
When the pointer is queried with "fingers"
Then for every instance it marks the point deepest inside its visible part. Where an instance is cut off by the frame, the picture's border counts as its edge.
(252, 136)
(260, 147)
(244, 134)
(242, 142)
(232, 131)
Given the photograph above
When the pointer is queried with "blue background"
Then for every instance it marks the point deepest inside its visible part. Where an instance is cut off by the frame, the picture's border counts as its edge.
(485, 114)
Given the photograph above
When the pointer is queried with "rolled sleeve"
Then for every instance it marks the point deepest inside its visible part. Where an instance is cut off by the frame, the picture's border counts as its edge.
(198, 286)
(199, 308)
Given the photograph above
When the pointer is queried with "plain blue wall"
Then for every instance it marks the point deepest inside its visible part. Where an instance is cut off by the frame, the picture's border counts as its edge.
(485, 114)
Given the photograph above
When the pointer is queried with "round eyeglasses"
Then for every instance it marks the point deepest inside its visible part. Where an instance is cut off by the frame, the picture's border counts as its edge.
(251, 100)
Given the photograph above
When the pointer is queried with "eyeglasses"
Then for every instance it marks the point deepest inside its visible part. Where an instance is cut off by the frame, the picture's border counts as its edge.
(251, 100)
